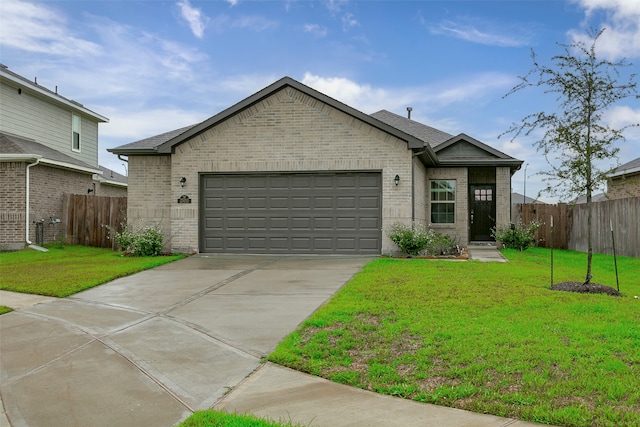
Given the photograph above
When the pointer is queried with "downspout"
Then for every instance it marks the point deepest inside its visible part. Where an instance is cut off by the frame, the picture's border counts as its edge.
(26, 224)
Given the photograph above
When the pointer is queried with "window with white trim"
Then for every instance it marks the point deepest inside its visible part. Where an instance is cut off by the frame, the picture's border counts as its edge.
(443, 201)
(75, 132)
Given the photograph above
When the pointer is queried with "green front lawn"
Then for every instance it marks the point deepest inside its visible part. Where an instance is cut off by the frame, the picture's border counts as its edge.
(222, 419)
(65, 270)
(486, 337)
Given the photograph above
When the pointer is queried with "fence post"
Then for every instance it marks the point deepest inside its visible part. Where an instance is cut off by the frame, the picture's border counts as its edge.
(551, 243)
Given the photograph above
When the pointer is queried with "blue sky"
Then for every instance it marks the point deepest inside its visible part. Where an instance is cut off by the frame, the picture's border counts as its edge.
(154, 66)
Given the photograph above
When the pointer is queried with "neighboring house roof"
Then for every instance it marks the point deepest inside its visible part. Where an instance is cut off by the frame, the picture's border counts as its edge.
(430, 135)
(110, 177)
(521, 198)
(36, 89)
(144, 146)
(599, 197)
(14, 148)
(628, 168)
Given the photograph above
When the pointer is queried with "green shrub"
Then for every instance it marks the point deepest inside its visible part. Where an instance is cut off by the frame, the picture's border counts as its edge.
(411, 239)
(418, 239)
(147, 241)
(441, 244)
(517, 236)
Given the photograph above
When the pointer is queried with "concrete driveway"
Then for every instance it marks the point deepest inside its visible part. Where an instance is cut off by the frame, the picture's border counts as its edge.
(149, 349)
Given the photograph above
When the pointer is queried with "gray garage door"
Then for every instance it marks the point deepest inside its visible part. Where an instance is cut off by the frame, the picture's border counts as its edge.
(334, 213)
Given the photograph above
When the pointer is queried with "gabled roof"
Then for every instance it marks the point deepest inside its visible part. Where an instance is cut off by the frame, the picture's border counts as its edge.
(430, 135)
(41, 91)
(626, 169)
(168, 146)
(14, 148)
(463, 150)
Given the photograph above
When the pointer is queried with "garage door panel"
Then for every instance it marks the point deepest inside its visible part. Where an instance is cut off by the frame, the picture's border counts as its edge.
(367, 202)
(369, 223)
(346, 223)
(279, 202)
(291, 213)
(301, 202)
(323, 202)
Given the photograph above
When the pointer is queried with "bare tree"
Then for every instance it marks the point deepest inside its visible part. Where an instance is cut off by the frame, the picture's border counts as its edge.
(575, 140)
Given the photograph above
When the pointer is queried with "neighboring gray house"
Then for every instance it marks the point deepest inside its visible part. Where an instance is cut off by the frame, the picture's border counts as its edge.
(291, 170)
(48, 147)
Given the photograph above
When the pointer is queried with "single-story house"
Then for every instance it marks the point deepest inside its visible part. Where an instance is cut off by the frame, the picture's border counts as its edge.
(292, 170)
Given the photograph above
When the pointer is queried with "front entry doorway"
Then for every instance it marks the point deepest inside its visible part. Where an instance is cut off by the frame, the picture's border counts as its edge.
(482, 211)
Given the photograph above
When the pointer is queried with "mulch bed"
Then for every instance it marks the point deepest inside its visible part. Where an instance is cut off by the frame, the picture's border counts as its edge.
(590, 288)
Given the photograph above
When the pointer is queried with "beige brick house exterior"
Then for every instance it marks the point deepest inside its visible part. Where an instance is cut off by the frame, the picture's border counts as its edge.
(624, 181)
(290, 132)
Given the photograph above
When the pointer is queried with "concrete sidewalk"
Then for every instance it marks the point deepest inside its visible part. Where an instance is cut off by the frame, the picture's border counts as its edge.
(485, 252)
(283, 394)
(151, 348)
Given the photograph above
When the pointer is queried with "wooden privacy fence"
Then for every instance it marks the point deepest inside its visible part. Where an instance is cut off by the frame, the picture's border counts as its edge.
(623, 214)
(86, 219)
(570, 225)
(562, 222)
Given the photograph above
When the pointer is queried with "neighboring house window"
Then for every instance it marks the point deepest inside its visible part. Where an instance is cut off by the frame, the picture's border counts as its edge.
(443, 201)
(75, 134)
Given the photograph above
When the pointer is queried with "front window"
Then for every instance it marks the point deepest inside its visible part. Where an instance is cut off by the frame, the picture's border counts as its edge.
(75, 133)
(443, 201)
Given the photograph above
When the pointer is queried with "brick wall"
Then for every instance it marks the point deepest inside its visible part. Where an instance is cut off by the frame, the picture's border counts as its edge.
(107, 190)
(47, 185)
(12, 205)
(460, 229)
(623, 187)
(503, 196)
(286, 132)
(149, 193)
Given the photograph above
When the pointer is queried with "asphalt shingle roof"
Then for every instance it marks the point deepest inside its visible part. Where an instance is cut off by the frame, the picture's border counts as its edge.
(633, 164)
(432, 136)
(154, 141)
(13, 144)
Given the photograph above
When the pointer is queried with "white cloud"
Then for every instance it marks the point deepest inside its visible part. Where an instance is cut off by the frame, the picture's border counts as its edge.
(255, 23)
(621, 116)
(349, 21)
(622, 23)
(232, 2)
(194, 17)
(40, 29)
(424, 99)
(315, 29)
(467, 31)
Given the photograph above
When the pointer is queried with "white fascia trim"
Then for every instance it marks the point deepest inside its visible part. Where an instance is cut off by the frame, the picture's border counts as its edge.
(19, 157)
(56, 98)
(48, 162)
(102, 180)
(625, 172)
(70, 166)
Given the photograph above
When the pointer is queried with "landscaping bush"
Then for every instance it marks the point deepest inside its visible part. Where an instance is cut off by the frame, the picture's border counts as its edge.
(517, 236)
(411, 239)
(147, 241)
(418, 239)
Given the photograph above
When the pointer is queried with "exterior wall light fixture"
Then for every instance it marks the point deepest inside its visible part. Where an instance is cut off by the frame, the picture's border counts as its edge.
(182, 181)
(396, 180)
